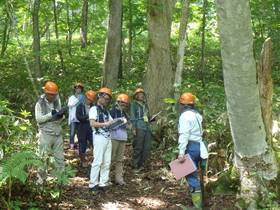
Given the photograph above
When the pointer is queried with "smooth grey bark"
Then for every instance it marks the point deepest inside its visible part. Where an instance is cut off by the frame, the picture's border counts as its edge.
(6, 34)
(130, 36)
(36, 38)
(112, 54)
(84, 24)
(159, 77)
(69, 30)
(181, 48)
(253, 156)
(266, 86)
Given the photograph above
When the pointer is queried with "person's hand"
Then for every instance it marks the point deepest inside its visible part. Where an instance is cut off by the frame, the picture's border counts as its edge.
(181, 158)
(54, 111)
(106, 124)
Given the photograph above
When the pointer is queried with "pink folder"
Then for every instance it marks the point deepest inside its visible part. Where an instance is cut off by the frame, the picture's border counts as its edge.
(182, 169)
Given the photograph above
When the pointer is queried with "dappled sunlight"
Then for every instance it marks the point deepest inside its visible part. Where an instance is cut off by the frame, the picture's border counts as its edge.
(149, 202)
(116, 206)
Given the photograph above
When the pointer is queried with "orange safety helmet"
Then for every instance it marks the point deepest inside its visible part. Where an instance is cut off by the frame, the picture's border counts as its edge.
(139, 90)
(50, 87)
(187, 98)
(123, 98)
(91, 95)
(106, 90)
(79, 84)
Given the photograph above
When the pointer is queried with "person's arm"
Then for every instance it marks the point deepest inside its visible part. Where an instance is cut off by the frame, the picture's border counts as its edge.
(184, 133)
(93, 119)
(40, 118)
(72, 101)
(133, 115)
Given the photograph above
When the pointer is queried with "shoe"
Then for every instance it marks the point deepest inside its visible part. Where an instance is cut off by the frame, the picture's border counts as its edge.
(138, 170)
(102, 189)
(94, 190)
(72, 146)
(197, 200)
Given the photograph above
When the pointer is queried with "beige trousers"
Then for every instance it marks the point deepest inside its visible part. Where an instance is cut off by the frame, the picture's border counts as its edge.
(118, 148)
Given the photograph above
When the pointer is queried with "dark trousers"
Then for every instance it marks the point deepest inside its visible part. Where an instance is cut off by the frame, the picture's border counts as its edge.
(141, 147)
(84, 137)
(73, 130)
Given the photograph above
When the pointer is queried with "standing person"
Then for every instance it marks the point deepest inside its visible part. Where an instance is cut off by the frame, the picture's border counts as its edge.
(84, 131)
(141, 128)
(190, 142)
(100, 119)
(73, 101)
(48, 114)
(119, 137)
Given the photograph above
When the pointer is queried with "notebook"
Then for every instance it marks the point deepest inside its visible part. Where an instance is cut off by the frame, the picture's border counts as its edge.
(182, 169)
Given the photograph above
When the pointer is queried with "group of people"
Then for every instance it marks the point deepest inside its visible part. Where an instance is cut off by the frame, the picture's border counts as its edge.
(105, 126)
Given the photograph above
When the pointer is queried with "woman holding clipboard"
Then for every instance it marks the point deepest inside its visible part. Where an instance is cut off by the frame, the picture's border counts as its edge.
(190, 142)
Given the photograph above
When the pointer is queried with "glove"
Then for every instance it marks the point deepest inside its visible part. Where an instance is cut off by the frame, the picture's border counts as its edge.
(62, 111)
(54, 112)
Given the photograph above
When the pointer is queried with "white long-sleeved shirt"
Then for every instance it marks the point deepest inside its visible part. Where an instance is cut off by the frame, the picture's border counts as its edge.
(73, 102)
(190, 128)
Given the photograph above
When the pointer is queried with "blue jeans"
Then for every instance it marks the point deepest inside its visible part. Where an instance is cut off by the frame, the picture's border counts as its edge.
(73, 129)
(193, 149)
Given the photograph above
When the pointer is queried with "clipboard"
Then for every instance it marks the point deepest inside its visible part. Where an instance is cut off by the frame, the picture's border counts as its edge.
(181, 170)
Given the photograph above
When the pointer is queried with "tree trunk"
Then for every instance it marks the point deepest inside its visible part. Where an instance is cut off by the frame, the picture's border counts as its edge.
(159, 78)
(6, 33)
(181, 48)
(112, 53)
(130, 37)
(253, 156)
(36, 38)
(57, 35)
(266, 87)
(69, 30)
(120, 73)
(84, 24)
(202, 61)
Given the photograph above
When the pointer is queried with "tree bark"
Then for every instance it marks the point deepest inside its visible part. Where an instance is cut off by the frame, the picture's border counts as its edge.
(57, 35)
(130, 36)
(202, 60)
(181, 48)
(6, 34)
(159, 78)
(84, 24)
(36, 38)
(266, 87)
(69, 30)
(253, 156)
(112, 53)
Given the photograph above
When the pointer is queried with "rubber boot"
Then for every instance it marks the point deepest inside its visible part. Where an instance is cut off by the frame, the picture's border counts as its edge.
(197, 200)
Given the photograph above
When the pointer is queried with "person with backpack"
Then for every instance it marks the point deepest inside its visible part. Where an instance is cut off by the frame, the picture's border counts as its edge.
(190, 142)
(140, 119)
(74, 100)
(84, 131)
(49, 115)
(100, 119)
(119, 136)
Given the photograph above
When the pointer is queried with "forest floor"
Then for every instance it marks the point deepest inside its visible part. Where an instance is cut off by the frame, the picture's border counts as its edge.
(150, 189)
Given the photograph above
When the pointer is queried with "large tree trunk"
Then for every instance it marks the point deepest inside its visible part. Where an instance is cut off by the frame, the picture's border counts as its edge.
(253, 156)
(84, 24)
(112, 55)
(130, 38)
(160, 76)
(181, 48)
(57, 35)
(266, 87)
(36, 38)
(202, 60)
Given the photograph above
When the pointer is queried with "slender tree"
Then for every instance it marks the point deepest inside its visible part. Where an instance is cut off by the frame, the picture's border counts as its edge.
(202, 58)
(6, 33)
(36, 38)
(84, 24)
(112, 55)
(181, 47)
(159, 78)
(253, 156)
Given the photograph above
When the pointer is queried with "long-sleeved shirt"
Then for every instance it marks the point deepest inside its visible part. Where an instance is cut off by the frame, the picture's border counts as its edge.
(121, 132)
(189, 129)
(73, 102)
(43, 116)
(139, 115)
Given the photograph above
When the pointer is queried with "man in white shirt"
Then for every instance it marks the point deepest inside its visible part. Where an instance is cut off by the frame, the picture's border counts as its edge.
(73, 101)
(190, 142)
(100, 119)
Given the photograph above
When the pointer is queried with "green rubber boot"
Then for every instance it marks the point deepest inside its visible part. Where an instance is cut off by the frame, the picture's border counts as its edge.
(197, 200)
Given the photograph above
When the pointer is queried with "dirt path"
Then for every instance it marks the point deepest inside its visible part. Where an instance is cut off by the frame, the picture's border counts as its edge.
(150, 189)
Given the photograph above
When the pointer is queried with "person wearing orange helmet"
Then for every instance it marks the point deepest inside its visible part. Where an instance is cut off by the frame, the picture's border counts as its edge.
(84, 131)
(74, 100)
(49, 114)
(140, 119)
(100, 119)
(119, 136)
(190, 142)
